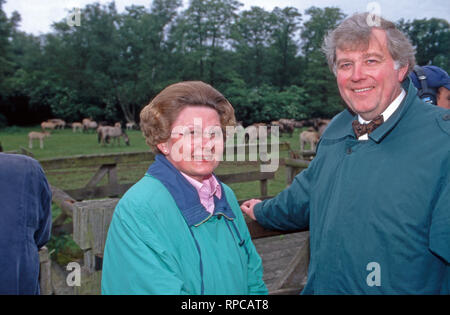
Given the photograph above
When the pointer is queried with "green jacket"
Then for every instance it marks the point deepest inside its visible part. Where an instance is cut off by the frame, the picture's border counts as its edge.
(378, 211)
(154, 247)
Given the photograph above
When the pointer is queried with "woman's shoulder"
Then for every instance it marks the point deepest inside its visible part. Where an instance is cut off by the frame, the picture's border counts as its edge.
(142, 198)
(146, 188)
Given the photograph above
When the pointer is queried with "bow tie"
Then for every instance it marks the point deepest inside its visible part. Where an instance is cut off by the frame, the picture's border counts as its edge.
(362, 129)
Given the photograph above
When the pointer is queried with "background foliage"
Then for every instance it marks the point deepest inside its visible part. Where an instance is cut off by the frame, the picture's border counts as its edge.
(268, 64)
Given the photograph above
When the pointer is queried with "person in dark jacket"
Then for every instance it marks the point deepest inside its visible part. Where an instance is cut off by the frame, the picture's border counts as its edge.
(25, 222)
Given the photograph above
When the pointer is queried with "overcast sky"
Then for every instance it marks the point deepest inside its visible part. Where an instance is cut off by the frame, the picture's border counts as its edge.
(37, 16)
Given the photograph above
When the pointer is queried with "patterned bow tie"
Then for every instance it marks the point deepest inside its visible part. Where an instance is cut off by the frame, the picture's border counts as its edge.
(362, 129)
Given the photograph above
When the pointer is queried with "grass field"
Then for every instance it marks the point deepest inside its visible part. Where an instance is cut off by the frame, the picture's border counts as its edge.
(65, 143)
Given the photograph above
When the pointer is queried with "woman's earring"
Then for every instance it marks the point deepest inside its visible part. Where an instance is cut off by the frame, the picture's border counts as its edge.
(163, 148)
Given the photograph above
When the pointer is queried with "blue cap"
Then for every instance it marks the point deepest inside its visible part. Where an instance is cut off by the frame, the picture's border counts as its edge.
(436, 77)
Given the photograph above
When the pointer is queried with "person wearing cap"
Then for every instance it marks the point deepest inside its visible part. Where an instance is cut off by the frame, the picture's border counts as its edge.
(433, 85)
(376, 196)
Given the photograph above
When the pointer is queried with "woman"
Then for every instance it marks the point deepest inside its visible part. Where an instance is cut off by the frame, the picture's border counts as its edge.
(179, 230)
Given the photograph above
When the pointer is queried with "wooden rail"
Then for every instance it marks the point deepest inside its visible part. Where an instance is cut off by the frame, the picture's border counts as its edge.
(79, 161)
(107, 166)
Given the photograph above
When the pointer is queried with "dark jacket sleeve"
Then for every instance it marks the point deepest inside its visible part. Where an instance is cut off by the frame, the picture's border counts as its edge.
(289, 210)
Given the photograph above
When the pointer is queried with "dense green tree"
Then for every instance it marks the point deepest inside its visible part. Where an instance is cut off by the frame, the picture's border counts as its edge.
(81, 59)
(7, 28)
(268, 64)
(252, 35)
(140, 68)
(431, 38)
(31, 77)
(319, 83)
(22, 73)
(284, 47)
(204, 29)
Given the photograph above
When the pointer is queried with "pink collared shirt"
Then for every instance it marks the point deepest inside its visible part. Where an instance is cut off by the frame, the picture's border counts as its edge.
(206, 190)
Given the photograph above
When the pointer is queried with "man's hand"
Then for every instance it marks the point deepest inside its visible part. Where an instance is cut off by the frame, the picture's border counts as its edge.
(247, 207)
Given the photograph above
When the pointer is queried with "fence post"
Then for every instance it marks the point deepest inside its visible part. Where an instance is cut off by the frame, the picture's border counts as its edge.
(263, 184)
(45, 279)
(293, 167)
(91, 220)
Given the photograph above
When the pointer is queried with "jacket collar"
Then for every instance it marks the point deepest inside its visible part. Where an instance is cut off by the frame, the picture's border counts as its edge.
(185, 195)
(341, 126)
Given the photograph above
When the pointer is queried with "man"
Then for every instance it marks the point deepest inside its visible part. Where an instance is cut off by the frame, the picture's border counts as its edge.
(25, 222)
(433, 85)
(377, 204)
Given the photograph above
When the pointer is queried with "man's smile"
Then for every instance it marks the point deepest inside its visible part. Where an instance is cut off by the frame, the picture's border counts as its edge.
(361, 90)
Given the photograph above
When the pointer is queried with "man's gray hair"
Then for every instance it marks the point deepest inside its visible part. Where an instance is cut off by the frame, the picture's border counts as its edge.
(354, 33)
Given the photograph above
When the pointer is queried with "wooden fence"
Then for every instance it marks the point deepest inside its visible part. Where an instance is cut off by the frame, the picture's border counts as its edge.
(285, 255)
(107, 165)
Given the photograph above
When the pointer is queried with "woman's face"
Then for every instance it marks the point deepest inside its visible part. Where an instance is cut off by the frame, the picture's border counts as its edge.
(196, 143)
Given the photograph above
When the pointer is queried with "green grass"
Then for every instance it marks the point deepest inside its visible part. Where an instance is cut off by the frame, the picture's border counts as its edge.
(63, 143)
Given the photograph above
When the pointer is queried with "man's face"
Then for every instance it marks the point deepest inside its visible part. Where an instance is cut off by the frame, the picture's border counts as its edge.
(367, 80)
(443, 97)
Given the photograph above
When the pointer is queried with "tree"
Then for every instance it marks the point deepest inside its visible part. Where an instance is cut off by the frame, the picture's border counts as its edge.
(140, 70)
(319, 83)
(7, 28)
(251, 38)
(204, 29)
(431, 39)
(16, 52)
(267, 64)
(81, 59)
(30, 79)
(284, 47)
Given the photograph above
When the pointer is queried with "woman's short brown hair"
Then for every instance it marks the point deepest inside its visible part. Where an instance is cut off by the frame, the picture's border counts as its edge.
(158, 116)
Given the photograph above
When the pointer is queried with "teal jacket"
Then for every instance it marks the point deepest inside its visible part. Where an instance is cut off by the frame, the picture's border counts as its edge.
(378, 211)
(162, 241)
